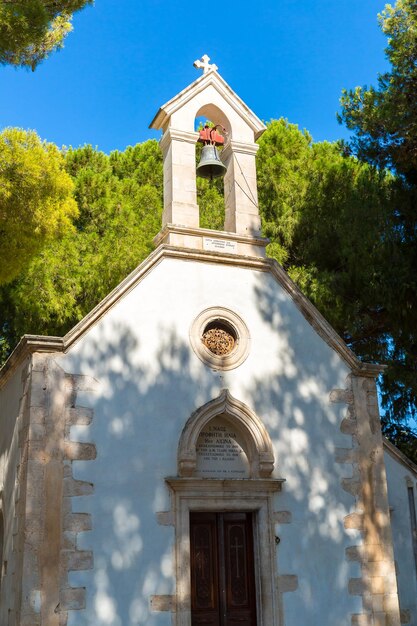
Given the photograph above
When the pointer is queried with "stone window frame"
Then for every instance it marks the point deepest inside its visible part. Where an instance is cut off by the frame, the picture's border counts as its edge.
(227, 317)
(253, 495)
(216, 495)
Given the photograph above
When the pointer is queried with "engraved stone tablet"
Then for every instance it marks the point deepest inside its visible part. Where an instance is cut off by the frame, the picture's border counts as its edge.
(219, 245)
(220, 452)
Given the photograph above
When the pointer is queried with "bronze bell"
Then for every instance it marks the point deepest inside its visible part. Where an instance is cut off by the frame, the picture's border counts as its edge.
(210, 165)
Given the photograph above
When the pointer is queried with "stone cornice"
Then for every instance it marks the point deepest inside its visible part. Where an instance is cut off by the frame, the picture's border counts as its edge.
(35, 343)
(233, 147)
(258, 486)
(210, 78)
(207, 232)
(178, 135)
(26, 346)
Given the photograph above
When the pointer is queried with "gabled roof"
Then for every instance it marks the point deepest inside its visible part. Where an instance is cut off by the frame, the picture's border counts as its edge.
(36, 343)
(204, 81)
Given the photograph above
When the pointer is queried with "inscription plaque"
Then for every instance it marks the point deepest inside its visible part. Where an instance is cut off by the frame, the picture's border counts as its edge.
(220, 452)
(219, 245)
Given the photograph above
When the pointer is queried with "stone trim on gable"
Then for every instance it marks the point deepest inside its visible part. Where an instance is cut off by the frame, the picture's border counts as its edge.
(160, 120)
(257, 440)
(30, 344)
(377, 585)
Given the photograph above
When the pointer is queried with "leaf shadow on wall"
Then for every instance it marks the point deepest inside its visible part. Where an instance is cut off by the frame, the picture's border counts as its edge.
(138, 418)
(144, 402)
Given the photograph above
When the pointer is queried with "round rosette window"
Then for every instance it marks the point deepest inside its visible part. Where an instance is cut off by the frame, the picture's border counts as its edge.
(220, 338)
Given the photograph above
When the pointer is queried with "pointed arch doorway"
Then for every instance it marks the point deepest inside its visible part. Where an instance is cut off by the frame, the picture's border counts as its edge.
(224, 531)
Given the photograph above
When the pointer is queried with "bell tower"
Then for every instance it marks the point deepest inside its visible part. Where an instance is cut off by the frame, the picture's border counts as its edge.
(210, 96)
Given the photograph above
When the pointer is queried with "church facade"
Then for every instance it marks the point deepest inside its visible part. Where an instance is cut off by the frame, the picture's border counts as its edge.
(202, 448)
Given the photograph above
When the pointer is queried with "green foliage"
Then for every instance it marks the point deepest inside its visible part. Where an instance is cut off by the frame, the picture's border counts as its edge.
(384, 119)
(31, 29)
(326, 216)
(402, 436)
(282, 183)
(36, 202)
(384, 123)
(120, 206)
(211, 203)
(333, 223)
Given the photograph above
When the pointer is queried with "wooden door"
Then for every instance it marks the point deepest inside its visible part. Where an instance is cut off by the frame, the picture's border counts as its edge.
(222, 570)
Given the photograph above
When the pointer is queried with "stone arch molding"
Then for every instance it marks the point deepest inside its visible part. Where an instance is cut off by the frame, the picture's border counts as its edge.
(258, 445)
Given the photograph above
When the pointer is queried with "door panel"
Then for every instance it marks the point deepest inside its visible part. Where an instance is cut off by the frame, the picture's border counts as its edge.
(222, 569)
(204, 570)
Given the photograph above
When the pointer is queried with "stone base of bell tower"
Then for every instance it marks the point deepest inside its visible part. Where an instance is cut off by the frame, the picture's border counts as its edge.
(211, 240)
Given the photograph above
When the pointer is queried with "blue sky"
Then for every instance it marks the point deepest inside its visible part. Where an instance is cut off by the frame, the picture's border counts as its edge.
(125, 58)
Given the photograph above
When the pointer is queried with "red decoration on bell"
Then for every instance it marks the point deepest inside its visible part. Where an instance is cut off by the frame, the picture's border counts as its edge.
(211, 136)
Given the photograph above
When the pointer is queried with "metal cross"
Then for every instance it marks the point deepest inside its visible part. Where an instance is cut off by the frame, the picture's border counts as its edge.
(203, 64)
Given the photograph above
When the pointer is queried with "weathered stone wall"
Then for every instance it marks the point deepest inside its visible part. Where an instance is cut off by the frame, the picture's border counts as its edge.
(54, 531)
(41, 529)
(376, 585)
(14, 410)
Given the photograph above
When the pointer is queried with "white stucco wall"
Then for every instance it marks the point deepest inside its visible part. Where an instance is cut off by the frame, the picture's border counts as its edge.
(399, 477)
(151, 381)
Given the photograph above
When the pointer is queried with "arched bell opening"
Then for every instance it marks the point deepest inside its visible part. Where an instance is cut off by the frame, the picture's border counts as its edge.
(215, 132)
(216, 116)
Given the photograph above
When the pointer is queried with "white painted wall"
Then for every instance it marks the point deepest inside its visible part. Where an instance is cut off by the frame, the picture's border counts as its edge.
(397, 475)
(151, 381)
